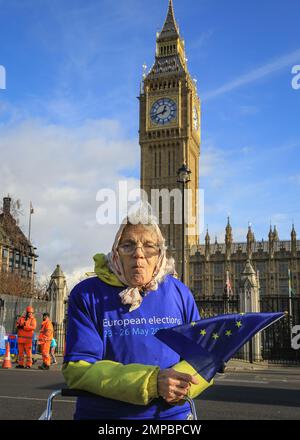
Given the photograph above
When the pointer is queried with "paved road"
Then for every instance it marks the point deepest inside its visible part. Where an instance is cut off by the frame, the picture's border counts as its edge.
(257, 395)
(23, 394)
(236, 395)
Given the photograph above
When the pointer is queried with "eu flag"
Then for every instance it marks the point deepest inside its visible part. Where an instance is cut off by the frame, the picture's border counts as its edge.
(207, 343)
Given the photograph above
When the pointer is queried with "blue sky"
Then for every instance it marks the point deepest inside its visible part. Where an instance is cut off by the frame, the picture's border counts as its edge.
(70, 110)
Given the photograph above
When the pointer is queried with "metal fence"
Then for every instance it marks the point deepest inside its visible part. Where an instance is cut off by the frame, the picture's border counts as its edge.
(13, 306)
(213, 305)
(60, 336)
(276, 339)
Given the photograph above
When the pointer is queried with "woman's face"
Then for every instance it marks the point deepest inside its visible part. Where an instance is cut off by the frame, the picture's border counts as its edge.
(138, 268)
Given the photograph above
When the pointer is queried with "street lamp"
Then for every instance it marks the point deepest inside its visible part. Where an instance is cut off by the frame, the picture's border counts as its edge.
(183, 175)
(1, 307)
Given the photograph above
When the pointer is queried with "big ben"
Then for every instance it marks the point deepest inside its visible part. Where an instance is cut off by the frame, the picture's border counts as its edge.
(169, 133)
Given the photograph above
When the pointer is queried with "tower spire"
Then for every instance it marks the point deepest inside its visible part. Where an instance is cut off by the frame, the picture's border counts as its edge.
(170, 27)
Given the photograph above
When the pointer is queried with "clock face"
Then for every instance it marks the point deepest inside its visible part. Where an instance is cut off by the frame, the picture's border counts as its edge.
(195, 118)
(163, 111)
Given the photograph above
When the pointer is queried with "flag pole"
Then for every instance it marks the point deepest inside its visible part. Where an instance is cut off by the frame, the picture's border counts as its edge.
(29, 228)
(31, 211)
(226, 293)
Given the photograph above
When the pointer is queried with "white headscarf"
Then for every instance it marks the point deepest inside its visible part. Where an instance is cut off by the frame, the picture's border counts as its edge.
(164, 266)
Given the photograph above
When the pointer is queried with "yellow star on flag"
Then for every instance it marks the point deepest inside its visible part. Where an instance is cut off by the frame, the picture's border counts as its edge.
(215, 336)
(228, 333)
(242, 314)
(239, 324)
(203, 332)
(193, 324)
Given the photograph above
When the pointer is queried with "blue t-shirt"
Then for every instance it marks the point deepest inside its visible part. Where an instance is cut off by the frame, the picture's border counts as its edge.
(100, 327)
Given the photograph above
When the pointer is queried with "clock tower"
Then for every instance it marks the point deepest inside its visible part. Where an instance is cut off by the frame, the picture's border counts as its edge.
(169, 136)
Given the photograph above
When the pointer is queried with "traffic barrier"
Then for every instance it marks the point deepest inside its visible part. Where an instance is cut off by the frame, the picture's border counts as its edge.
(13, 343)
(7, 360)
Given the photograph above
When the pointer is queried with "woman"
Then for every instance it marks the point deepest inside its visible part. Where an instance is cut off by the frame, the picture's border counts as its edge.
(111, 347)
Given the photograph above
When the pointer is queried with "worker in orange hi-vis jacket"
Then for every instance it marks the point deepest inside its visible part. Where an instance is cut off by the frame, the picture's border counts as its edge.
(26, 324)
(44, 341)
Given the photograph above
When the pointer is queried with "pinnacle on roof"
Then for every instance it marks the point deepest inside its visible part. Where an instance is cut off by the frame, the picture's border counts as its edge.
(248, 269)
(270, 233)
(275, 234)
(250, 235)
(207, 237)
(58, 272)
(228, 227)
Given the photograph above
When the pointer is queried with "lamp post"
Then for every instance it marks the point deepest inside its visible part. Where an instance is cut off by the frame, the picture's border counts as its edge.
(183, 175)
(1, 314)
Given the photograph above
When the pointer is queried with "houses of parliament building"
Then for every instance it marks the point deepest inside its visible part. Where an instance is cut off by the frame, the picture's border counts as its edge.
(271, 260)
(169, 136)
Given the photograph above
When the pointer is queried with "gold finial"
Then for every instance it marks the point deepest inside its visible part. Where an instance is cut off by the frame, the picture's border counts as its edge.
(144, 70)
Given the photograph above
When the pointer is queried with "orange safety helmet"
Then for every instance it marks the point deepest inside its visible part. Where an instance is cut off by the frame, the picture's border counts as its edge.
(29, 309)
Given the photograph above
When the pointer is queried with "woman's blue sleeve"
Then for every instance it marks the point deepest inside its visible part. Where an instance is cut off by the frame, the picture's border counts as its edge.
(83, 342)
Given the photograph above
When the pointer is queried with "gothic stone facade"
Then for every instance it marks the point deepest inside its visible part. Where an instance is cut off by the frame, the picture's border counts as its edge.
(270, 259)
(17, 255)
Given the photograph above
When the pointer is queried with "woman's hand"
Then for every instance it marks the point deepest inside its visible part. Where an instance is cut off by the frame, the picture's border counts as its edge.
(174, 386)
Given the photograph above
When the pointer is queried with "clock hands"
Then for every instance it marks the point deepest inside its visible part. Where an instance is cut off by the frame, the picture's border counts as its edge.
(162, 112)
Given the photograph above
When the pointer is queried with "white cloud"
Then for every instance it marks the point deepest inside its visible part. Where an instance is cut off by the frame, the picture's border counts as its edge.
(246, 150)
(279, 217)
(240, 234)
(60, 170)
(212, 160)
(248, 110)
(256, 74)
(201, 41)
(295, 179)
